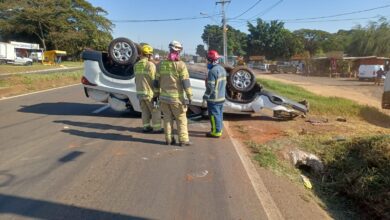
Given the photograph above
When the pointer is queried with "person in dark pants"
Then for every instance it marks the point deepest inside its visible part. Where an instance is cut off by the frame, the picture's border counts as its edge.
(215, 93)
(378, 77)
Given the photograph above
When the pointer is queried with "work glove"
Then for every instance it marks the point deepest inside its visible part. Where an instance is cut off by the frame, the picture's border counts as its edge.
(204, 103)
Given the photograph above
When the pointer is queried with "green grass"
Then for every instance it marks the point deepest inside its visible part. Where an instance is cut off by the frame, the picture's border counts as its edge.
(35, 78)
(266, 157)
(318, 104)
(21, 83)
(357, 170)
(4, 83)
(328, 106)
(72, 63)
(35, 67)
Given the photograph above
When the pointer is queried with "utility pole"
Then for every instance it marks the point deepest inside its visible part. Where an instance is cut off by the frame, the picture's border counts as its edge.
(224, 29)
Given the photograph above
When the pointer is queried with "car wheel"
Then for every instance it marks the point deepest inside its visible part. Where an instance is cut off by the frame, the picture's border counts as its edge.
(123, 51)
(28, 63)
(2, 62)
(242, 79)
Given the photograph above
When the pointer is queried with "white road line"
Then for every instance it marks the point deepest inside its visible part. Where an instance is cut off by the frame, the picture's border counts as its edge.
(271, 209)
(5, 98)
(101, 109)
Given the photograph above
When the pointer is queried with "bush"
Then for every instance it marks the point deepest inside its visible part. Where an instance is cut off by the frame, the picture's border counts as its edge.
(360, 170)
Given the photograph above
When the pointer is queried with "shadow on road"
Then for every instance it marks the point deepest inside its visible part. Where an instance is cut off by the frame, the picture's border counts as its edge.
(99, 126)
(67, 108)
(12, 180)
(111, 136)
(70, 156)
(39, 209)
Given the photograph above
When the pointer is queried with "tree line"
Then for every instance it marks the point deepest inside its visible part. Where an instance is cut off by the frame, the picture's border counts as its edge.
(274, 41)
(69, 25)
(73, 25)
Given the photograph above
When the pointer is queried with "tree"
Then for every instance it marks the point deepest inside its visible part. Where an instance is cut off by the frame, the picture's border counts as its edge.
(314, 40)
(69, 25)
(371, 40)
(212, 36)
(201, 51)
(272, 40)
(236, 40)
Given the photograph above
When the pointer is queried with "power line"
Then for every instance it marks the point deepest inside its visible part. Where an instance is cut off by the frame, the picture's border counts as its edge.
(267, 10)
(310, 20)
(160, 20)
(331, 20)
(243, 21)
(337, 15)
(247, 9)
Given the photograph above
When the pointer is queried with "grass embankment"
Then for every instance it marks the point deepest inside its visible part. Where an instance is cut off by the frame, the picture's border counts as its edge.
(357, 165)
(329, 106)
(6, 69)
(23, 83)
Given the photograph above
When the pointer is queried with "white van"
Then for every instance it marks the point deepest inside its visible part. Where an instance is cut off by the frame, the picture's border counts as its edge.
(368, 71)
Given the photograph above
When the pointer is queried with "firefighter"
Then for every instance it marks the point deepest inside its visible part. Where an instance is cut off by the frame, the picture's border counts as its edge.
(215, 93)
(172, 85)
(145, 71)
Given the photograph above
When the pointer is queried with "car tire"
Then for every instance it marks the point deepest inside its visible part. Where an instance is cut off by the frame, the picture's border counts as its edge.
(242, 79)
(123, 51)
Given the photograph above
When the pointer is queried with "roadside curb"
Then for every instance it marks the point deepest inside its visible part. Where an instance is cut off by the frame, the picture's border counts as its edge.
(271, 209)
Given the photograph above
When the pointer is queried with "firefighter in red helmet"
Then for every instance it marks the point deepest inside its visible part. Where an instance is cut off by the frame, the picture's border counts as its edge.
(215, 93)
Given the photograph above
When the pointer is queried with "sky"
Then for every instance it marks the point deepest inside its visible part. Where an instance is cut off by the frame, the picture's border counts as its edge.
(330, 16)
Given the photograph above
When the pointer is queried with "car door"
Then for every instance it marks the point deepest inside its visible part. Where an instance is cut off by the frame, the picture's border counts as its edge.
(18, 60)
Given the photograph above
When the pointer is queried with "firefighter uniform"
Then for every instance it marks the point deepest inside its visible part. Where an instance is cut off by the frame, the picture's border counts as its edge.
(144, 76)
(215, 93)
(173, 85)
(215, 97)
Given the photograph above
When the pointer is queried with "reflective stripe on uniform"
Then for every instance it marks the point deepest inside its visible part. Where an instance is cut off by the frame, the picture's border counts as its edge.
(221, 81)
(172, 94)
(144, 72)
(213, 125)
(156, 126)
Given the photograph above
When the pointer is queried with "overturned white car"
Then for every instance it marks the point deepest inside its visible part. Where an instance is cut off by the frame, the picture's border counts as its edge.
(109, 77)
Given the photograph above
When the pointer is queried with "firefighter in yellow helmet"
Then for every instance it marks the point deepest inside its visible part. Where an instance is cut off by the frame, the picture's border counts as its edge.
(172, 85)
(145, 72)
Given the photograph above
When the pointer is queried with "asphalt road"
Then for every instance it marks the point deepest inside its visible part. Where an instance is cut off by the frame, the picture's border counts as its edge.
(62, 156)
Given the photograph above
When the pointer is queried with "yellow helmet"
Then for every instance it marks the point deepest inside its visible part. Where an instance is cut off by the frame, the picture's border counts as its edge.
(147, 49)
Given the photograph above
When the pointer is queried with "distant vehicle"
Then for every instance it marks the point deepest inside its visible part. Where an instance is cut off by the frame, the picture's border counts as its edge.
(109, 77)
(282, 67)
(191, 62)
(386, 92)
(258, 65)
(8, 55)
(368, 71)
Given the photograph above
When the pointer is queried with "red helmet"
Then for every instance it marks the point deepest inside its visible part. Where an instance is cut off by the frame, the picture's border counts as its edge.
(212, 55)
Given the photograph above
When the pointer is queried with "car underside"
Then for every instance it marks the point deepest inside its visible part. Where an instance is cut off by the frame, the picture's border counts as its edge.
(109, 77)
